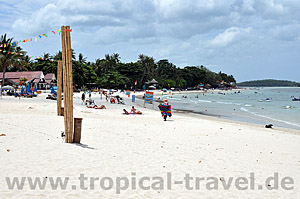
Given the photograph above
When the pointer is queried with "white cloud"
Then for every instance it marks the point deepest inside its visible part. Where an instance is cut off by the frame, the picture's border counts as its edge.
(40, 21)
(228, 36)
(189, 32)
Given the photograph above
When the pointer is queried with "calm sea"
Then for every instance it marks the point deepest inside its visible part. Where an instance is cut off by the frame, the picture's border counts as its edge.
(250, 105)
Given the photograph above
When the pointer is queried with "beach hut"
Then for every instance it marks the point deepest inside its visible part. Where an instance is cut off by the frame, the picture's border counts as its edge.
(153, 82)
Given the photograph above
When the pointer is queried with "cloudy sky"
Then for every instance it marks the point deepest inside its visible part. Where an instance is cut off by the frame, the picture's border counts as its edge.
(251, 39)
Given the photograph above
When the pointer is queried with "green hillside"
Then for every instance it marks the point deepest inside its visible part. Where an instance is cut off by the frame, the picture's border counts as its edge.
(269, 83)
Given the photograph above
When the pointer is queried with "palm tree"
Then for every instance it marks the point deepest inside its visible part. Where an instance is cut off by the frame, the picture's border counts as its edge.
(81, 59)
(10, 55)
(111, 61)
(148, 65)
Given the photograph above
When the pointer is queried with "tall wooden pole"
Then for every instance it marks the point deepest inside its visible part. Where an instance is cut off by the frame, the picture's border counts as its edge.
(59, 87)
(68, 85)
(70, 81)
(63, 40)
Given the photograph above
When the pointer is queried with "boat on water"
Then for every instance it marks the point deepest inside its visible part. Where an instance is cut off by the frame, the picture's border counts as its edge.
(296, 99)
(268, 99)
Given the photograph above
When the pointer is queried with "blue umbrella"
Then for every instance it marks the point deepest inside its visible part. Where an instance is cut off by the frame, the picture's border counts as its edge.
(52, 89)
(35, 89)
(28, 89)
(22, 90)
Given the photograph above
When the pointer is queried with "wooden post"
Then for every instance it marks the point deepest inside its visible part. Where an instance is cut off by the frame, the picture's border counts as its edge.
(68, 82)
(59, 87)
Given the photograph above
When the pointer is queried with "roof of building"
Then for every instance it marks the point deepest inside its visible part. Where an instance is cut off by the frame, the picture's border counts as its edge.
(16, 76)
(27, 74)
(50, 76)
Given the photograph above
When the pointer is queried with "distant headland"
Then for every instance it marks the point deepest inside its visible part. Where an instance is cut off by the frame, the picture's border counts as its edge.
(269, 83)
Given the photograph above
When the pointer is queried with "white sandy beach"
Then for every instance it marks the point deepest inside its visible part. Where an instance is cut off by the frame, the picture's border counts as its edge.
(116, 145)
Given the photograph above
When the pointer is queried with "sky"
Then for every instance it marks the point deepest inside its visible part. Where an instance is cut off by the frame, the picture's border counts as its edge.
(250, 39)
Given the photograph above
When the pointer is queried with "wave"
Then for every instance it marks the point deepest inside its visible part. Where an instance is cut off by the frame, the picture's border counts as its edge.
(274, 119)
(175, 99)
(229, 103)
(208, 101)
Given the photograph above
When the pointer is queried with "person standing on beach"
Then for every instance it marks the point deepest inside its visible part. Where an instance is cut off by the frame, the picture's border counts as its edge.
(165, 109)
(90, 98)
(83, 97)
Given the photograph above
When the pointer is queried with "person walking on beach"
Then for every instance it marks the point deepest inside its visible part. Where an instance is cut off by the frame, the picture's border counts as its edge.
(165, 109)
(90, 98)
(83, 97)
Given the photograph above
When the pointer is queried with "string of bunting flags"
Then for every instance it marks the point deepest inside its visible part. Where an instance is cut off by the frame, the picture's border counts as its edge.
(35, 39)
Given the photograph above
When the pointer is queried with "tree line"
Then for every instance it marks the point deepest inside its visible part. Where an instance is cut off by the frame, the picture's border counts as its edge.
(110, 72)
(269, 83)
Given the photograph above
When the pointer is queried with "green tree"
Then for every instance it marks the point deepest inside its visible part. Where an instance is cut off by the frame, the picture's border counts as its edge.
(9, 55)
(148, 67)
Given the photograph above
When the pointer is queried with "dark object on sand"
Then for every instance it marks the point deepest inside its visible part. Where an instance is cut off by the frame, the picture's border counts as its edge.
(53, 97)
(269, 126)
(77, 130)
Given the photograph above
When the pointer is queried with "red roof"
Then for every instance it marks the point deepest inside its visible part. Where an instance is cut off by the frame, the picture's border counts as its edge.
(49, 76)
(17, 75)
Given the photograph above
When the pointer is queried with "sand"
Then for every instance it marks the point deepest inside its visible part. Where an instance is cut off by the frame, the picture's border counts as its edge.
(136, 146)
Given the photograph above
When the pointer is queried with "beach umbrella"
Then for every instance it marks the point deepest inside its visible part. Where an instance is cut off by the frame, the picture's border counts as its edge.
(52, 89)
(22, 90)
(35, 89)
(8, 88)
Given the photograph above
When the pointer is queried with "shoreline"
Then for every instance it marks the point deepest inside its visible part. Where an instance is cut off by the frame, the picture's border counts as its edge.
(192, 113)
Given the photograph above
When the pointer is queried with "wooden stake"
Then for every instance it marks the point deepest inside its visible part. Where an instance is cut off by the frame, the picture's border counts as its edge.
(59, 87)
(63, 42)
(68, 83)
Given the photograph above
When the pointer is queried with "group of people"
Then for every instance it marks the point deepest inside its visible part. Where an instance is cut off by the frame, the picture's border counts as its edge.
(90, 101)
(165, 108)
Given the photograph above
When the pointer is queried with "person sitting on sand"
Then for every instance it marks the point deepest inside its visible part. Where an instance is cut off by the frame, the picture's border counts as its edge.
(112, 100)
(133, 110)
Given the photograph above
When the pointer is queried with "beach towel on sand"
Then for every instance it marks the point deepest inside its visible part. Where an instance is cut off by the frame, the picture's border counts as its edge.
(165, 110)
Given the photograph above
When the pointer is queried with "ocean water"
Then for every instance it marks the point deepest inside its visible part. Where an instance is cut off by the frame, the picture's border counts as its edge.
(249, 105)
